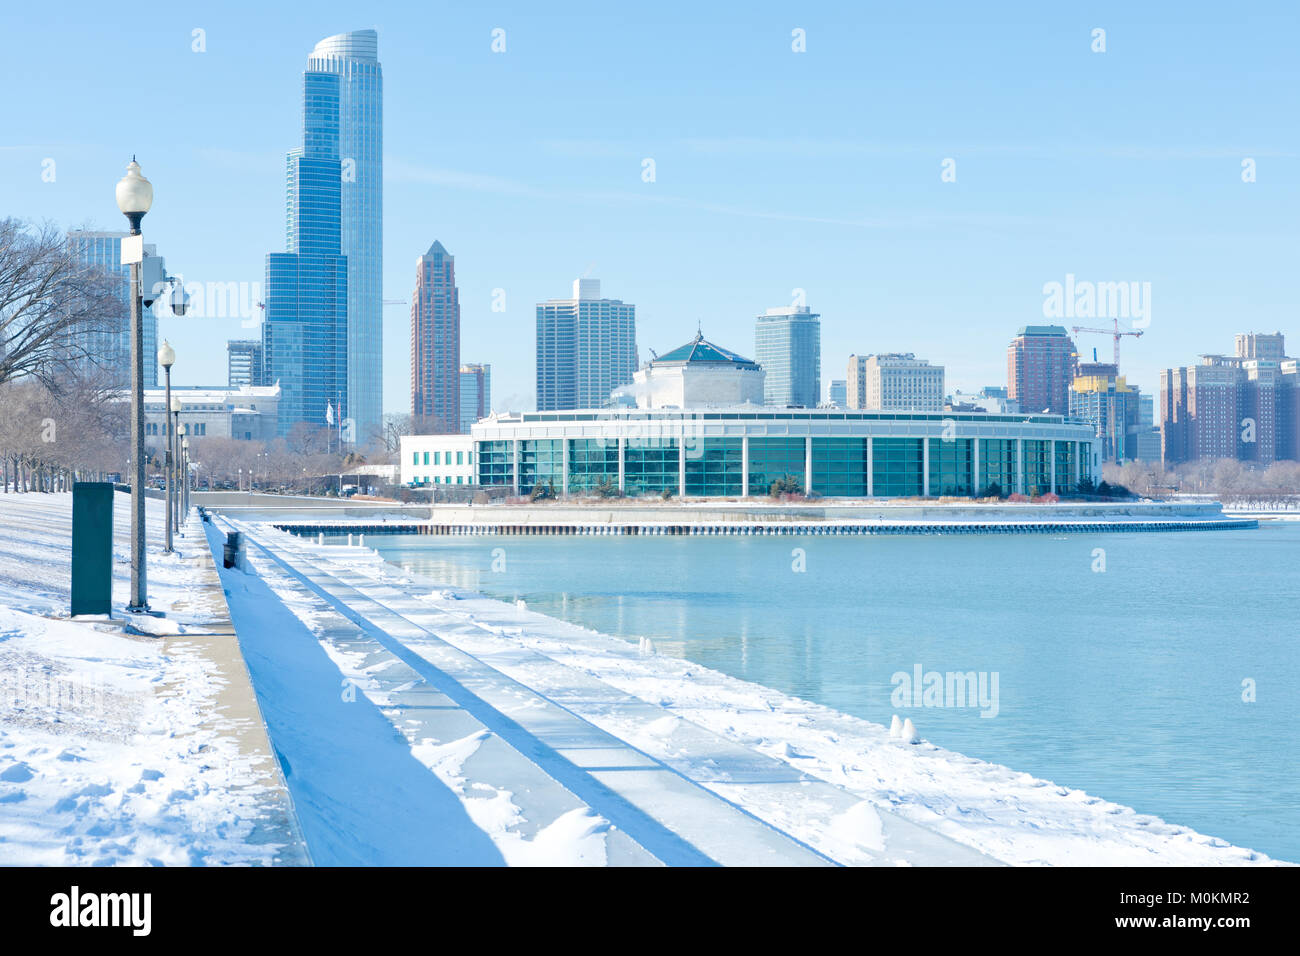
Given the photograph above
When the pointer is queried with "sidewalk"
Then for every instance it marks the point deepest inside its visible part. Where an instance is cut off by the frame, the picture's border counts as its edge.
(133, 740)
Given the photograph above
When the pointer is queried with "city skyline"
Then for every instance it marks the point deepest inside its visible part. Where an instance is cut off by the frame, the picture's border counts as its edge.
(729, 193)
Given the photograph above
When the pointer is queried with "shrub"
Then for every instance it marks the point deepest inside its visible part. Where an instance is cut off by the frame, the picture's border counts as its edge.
(542, 492)
(787, 484)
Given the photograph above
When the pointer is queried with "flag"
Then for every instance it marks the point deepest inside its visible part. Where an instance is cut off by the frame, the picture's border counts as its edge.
(329, 414)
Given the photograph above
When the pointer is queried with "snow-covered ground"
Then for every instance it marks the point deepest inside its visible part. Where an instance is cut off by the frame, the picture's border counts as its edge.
(846, 781)
(419, 724)
(113, 749)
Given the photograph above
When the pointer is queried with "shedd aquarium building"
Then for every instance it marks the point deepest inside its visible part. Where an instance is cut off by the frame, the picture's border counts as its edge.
(698, 429)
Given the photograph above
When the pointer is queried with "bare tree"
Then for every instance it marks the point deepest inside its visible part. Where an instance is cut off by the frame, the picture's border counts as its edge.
(50, 305)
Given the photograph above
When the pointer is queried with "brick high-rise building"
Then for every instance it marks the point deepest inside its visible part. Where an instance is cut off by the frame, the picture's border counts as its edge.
(435, 342)
(1041, 361)
(1241, 406)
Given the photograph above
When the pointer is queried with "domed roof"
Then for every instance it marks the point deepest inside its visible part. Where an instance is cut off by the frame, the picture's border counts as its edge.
(700, 351)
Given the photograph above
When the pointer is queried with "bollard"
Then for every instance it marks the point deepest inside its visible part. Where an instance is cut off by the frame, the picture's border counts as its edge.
(233, 553)
(92, 548)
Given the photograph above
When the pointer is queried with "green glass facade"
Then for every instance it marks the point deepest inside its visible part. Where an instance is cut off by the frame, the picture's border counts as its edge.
(835, 466)
(717, 468)
(1066, 452)
(840, 466)
(496, 463)
(998, 464)
(772, 458)
(541, 461)
(896, 466)
(1038, 475)
(592, 462)
(950, 467)
(650, 467)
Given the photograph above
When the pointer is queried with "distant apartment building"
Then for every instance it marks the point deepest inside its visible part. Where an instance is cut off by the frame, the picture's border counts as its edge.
(788, 345)
(1241, 406)
(586, 348)
(894, 380)
(1147, 439)
(1102, 397)
(838, 394)
(992, 399)
(110, 347)
(435, 342)
(1040, 367)
(475, 394)
(244, 363)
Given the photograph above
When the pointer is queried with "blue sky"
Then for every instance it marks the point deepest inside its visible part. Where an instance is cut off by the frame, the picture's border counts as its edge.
(775, 170)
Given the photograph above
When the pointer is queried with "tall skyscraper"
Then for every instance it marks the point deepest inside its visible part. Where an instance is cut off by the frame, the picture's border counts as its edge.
(305, 332)
(244, 363)
(586, 348)
(1040, 367)
(353, 60)
(894, 380)
(475, 394)
(111, 348)
(435, 342)
(788, 345)
(323, 334)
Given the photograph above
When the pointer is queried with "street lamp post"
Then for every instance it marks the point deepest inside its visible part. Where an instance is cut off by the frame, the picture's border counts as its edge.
(134, 196)
(183, 474)
(167, 358)
(173, 451)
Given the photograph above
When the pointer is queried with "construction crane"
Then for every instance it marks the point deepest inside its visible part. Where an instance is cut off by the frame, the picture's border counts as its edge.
(1113, 332)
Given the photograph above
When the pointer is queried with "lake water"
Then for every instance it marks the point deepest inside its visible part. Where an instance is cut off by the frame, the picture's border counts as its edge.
(1126, 682)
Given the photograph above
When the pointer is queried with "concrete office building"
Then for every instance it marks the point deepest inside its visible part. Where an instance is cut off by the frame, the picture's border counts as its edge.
(586, 348)
(894, 380)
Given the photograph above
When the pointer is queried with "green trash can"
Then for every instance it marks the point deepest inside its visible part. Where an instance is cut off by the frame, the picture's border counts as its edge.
(92, 547)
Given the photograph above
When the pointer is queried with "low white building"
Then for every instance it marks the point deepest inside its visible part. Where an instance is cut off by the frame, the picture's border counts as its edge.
(437, 460)
(245, 412)
(699, 374)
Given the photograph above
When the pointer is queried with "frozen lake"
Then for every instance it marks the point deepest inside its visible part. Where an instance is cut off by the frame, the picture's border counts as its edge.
(1120, 671)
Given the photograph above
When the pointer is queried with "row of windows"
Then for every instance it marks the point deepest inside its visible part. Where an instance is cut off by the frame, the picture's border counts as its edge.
(715, 466)
(443, 458)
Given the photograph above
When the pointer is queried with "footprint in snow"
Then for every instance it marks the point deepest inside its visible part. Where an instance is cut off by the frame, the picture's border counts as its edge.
(17, 773)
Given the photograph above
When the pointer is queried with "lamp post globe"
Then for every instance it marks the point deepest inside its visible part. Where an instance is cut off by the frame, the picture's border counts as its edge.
(134, 195)
(166, 355)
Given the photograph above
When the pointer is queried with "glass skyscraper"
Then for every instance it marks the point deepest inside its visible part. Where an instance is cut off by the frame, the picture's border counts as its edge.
(305, 332)
(357, 100)
(788, 344)
(102, 251)
(323, 335)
